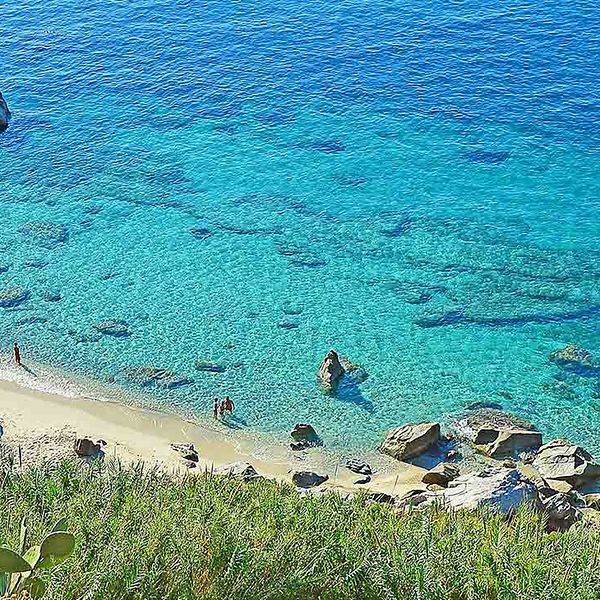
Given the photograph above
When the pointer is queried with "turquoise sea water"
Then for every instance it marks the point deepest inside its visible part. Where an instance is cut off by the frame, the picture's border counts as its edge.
(416, 184)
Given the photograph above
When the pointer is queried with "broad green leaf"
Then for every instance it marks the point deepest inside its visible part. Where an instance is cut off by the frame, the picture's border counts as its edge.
(11, 562)
(58, 543)
(32, 555)
(35, 586)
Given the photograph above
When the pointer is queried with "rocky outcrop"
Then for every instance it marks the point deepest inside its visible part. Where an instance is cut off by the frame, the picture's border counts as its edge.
(186, 451)
(561, 460)
(4, 114)
(151, 376)
(331, 372)
(499, 443)
(240, 470)
(113, 328)
(308, 479)
(410, 440)
(86, 448)
(11, 297)
(499, 490)
(441, 474)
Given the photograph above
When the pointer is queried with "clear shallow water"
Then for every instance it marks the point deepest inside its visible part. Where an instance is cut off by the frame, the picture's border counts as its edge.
(371, 167)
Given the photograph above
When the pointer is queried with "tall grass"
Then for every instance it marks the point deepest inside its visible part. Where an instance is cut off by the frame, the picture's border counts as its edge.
(141, 535)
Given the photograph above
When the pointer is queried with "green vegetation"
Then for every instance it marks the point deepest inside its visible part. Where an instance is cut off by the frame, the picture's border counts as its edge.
(19, 570)
(140, 535)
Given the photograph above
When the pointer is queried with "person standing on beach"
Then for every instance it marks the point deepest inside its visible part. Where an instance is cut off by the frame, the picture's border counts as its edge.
(17, 353)
(216, 408)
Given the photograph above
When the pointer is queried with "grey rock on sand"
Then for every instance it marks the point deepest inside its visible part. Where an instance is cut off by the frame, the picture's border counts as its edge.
(330, 372)
(240, 470)
(500, 490)
(410, 441)
(4, 114)
(308, 479)
(186, 451)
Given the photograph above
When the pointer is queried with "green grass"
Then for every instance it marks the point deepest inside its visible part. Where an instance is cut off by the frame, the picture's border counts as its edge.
(140, 535)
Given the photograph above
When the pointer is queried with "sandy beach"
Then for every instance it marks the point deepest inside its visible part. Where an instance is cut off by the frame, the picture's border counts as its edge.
(42, 425)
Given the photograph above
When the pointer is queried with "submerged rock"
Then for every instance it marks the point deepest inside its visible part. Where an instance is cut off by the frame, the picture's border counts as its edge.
(113, 328)
(209, 367)
(52, 296)
(151, 376)
(330, 372)
(201, 233)
(45, 234)
(561, 460)
(410, 441)
(11, 297)
(575, 359)
(4, 114)
(354, 370)
(285, 324)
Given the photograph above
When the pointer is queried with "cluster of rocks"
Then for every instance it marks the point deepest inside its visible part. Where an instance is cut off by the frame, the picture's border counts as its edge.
(518, 469)
(155, 377)
(334, 367)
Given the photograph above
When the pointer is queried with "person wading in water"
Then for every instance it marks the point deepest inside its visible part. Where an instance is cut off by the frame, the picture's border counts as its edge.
(17, 353)
(216, 408)
(227, 406)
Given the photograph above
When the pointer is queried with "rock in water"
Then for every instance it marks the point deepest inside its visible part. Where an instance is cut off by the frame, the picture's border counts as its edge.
(308, 479)
(575, 359)
(568, 462)
(113, 328)
(4, 114)
(500, 490)
(305, 437)
(441, 474)
(410, 440)
(331, 372)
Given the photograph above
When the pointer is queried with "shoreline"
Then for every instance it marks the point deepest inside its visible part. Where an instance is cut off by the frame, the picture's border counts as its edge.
(44, 423)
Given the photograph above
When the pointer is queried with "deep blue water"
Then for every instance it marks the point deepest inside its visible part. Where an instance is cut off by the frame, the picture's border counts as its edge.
(250, 184)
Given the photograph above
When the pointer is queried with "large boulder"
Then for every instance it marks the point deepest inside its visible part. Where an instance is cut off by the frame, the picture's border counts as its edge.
(499, 443)
(331, 372)
(561, 511)
(308, 479)
(410, 440)
(568, 462)
(4, 114)
(499, 490)
(441, 474)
